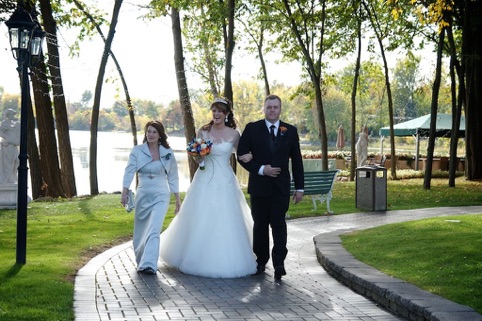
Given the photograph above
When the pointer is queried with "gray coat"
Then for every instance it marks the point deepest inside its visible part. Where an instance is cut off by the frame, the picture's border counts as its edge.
(140, 156)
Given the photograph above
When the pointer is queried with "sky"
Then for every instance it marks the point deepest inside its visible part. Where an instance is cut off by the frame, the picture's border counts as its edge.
(145, 52)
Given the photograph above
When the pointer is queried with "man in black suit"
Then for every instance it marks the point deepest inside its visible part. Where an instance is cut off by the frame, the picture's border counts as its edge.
(272, 143)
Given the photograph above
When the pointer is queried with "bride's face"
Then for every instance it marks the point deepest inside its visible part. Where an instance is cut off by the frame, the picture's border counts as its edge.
(218, 115)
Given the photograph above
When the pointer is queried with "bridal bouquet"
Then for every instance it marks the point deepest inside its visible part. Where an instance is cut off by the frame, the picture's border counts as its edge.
(199, 147)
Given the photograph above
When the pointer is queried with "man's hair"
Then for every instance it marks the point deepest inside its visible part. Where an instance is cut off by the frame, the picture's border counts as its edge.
(273, 97)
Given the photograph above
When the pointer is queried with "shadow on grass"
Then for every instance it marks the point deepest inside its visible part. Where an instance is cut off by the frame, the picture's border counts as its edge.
(85, 208)
(13, 271)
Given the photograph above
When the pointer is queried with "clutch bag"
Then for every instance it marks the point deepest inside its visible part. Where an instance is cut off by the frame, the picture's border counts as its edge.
(130, 201)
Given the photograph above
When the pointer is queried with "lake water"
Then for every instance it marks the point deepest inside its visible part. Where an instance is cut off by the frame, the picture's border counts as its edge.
(113, 150)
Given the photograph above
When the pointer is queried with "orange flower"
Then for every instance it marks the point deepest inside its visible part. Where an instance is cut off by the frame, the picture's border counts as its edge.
(283, 130)
(199, 148)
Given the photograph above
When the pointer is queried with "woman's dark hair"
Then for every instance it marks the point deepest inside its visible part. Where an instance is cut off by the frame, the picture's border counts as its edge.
(226, 106)
(160, 129)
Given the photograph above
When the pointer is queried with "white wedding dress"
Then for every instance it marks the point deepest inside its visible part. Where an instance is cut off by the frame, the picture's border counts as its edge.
(211, 235)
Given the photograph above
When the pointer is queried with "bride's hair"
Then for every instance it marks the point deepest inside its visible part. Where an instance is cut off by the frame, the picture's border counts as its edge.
(160, 129)
(226, 106)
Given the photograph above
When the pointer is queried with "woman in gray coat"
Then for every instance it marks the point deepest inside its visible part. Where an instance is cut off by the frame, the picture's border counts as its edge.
(158, 177)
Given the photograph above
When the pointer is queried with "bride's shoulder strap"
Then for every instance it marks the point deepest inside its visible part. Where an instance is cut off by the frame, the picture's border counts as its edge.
(234, 135)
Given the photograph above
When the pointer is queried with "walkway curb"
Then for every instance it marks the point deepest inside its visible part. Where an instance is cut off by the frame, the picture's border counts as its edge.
(393, 294)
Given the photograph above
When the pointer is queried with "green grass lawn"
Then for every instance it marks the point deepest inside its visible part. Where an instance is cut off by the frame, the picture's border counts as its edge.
(401, 194)
(64, 235)
(441, 255)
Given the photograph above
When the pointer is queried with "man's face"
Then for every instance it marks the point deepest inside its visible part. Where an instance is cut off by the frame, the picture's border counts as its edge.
(272, 110)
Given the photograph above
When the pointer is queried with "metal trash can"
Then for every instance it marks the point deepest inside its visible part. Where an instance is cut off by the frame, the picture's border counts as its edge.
(371, 188)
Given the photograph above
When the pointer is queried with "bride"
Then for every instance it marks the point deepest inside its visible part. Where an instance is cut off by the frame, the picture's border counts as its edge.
(211, 235)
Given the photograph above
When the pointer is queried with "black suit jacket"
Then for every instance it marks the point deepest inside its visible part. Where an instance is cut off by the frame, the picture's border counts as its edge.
(256, 139)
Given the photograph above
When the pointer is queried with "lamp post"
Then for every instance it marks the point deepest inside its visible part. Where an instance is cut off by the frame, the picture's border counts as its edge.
(26, 38)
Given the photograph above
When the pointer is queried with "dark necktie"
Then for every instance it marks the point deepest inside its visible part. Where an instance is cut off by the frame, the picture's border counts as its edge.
(271, 131)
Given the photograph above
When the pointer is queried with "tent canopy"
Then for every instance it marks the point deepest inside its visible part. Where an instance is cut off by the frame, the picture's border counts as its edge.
(421, 126)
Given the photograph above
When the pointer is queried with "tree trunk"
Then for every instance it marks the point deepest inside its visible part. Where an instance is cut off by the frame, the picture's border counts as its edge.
(94, 186)
(33, 156)
(377, 29)
(228, 81)
(456, 73)
(390, 111)
(189, 128)
(60, 107)
(353, 102)
(472, 53)
(229, 49)
(264, 71)
(314, 69)
(251, 31)
(36, 180)
(130, 108)
(433, 112)
(46, 130)
(321, 121)
(212, 77)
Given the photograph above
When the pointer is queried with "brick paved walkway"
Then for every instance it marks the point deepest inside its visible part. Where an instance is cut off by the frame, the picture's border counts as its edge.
(109, 288)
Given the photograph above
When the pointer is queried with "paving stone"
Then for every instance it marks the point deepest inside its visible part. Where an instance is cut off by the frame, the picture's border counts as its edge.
(109, 287)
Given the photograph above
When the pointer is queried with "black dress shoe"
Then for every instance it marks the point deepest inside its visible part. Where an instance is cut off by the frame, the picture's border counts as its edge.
(260, 269)
(279, 272)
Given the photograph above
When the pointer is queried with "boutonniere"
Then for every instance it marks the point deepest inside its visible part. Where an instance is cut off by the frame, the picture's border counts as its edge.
(283, 130)
(167, 156)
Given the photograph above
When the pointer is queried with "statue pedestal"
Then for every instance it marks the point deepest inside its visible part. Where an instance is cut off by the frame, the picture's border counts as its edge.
(8, 196)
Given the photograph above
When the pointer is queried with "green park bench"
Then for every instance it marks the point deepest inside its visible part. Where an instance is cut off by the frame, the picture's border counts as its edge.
(319, 185)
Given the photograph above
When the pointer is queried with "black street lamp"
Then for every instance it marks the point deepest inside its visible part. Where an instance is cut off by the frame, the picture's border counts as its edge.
(26, 37)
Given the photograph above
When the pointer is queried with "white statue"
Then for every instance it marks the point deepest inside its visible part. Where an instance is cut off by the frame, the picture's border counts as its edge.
(362, 149)
(9, 142)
